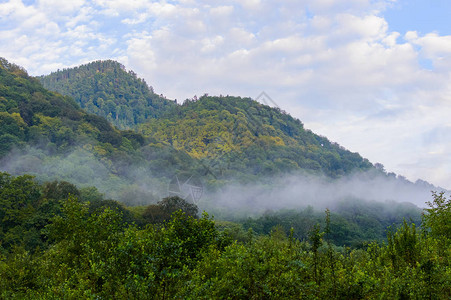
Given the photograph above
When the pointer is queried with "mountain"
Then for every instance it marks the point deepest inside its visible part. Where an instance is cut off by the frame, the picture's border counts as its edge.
(256, 157)
(59, 240)
(106, 89)
(48, 135)
(229, 135)
(237, 134)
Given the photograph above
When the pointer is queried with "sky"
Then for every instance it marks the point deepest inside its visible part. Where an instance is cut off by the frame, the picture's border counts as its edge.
(371, 75)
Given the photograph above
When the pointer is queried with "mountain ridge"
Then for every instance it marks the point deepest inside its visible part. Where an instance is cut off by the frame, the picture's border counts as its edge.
(244, 123)
(213, 126)
(107, 89)
(222, 139)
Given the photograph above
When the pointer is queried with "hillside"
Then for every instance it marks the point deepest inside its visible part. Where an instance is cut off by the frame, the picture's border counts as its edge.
(245, 154)
(236, 134)
(106, 89)
(232, 134)
(47, 135)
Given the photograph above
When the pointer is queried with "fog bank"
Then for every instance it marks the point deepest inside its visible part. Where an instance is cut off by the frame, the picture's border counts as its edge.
(299, 191)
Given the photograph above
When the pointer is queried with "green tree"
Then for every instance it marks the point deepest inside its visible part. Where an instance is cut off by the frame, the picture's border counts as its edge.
(163, 210)
(19, 215)
(438, 216)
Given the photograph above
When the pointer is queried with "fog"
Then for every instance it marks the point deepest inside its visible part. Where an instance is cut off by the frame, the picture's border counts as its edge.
(133, 186)
(138, 186)
(302, 190)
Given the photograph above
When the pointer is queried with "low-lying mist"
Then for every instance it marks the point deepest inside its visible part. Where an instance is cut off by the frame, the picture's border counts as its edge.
(138, 186)
(302, 190)
(132, 185)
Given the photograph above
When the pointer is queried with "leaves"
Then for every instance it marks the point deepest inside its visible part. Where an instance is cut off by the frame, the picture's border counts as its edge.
(438, 216)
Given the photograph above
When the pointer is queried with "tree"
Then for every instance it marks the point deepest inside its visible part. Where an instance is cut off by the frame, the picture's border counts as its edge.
(163, 210)
(19, 215)
(174, 203)
(438, 217)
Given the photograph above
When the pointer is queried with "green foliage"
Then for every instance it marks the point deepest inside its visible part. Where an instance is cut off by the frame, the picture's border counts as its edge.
(175, 203)
(27, 207)
(438, 217)
(106, 89)
(233, 134)
(93, 253)
(402, 245)
(163, 210)
(21, 215)
(270, 267)
(352, 222)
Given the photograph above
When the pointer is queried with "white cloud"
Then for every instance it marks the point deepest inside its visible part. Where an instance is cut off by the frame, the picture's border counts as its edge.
(241, 37)
(162, 9)
(251, 4)
(209, 45)
(60, 7)
(133, 21)
(84, 15)
(221, 11)
(367, 28)
(117, 7)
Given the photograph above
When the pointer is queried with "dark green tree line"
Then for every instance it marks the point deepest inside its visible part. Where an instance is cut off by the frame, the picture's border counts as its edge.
(87, 251)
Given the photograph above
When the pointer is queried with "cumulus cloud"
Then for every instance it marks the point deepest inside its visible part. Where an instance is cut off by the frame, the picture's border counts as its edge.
(333, 64)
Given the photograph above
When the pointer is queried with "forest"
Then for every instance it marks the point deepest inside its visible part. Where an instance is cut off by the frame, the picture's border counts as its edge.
(105, 88)
(85, 211)
(62, 242)
(226, 129)
(48, 135)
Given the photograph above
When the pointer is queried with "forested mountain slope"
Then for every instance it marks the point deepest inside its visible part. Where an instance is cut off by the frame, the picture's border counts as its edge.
(31, 114)
(240, 134)
(229, 135)
(106, 89)
(46, 134)
(263, 140)
(223, 141)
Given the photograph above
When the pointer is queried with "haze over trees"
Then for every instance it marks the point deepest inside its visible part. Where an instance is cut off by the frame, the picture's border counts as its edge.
(222, 139)
(62, 242)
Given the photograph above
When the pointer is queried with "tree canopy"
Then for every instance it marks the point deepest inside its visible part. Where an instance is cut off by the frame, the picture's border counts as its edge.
(57, 244)
(236, 134)
(105, 88)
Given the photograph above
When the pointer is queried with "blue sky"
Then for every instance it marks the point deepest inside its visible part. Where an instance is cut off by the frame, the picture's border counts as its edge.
(420, 15)
(372, 75)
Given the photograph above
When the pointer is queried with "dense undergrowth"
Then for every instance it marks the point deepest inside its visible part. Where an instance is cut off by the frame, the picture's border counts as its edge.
(59, 242)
